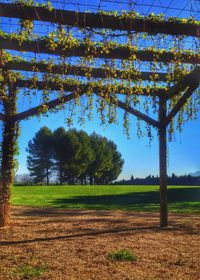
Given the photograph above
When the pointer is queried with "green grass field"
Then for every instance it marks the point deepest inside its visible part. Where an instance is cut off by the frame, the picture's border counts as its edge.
(139, 198)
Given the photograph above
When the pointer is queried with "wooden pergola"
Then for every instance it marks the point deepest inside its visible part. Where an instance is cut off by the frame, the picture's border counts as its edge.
(184, 87)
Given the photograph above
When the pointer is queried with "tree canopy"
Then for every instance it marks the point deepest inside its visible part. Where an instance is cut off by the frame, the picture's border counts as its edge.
(39, 160)
(73, 157)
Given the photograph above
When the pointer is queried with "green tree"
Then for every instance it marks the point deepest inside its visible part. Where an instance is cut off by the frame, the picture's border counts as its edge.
(40, 158)
(73, 154)
(84, 156)
(94, 170)
(66, 148)
(60, 151)
(107, 163)
(114, 164)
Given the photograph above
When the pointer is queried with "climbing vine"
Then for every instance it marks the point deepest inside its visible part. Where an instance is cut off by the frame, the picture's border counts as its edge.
(121, 77)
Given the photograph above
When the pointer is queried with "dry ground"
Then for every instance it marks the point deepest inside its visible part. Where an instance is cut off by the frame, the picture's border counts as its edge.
(74, 245)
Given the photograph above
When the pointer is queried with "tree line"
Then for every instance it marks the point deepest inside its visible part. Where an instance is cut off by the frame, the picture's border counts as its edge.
(72, 157)
(183, 180)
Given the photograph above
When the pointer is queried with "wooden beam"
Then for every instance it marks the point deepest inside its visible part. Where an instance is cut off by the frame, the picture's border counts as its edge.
(52, 104)
(181, 103)
(192, 78)
(120, 52)
(81, 71)
(40, 85)
(8, 149)
(91, 20)
(3, 117)
(163, 162)
(130, 110)
(38, 109)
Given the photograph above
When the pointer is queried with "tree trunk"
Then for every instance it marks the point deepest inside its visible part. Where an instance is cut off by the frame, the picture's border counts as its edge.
(60, 175)
(8, 152)
(47, 177)
(91, 181)
(163, 164)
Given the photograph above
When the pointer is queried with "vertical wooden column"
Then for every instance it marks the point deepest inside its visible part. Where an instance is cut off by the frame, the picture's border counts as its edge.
(7, 162)
(163, 162)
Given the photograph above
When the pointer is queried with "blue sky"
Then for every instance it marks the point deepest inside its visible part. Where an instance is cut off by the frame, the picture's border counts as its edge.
(140, 158)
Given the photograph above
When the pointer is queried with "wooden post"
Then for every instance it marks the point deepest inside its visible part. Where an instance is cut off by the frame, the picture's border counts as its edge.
(7, 162)
(163, 162)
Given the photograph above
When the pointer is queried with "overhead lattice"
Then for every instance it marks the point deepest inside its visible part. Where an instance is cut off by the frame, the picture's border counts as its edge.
(144, 63)
(111, 48)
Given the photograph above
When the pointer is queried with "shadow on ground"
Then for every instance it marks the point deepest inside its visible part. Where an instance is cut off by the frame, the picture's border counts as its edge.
(180, 200)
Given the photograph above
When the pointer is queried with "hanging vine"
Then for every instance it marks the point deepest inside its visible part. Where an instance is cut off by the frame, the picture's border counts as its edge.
(121, 77)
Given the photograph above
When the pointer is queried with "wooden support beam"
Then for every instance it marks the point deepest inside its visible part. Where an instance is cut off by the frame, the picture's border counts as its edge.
(120, 52)
(163, 162)
(91, 20)
(81, 71)
(130, 110)
(40, 85)
(180, 103)
(2, 117)
(8, 149)
(38, 109)
(192, 78)
(54, 103)
(82, 90)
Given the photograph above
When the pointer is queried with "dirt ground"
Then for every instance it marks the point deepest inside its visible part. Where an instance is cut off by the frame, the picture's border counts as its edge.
(74, 245)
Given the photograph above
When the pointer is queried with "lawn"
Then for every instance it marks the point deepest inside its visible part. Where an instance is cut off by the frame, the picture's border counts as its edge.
(182, 199)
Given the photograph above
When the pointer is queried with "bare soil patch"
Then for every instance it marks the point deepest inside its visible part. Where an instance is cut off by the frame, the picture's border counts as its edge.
(74, 245)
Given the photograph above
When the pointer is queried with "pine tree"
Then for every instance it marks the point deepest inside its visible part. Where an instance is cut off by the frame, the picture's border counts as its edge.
(84, 155)
(40, 158)
(107, 163)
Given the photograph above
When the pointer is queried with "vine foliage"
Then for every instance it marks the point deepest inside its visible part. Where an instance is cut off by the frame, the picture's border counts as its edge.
(123, 79)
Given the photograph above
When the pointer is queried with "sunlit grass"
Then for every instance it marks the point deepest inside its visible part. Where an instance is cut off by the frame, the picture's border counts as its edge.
(122, 255)
(25, 271)
(139, 198)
